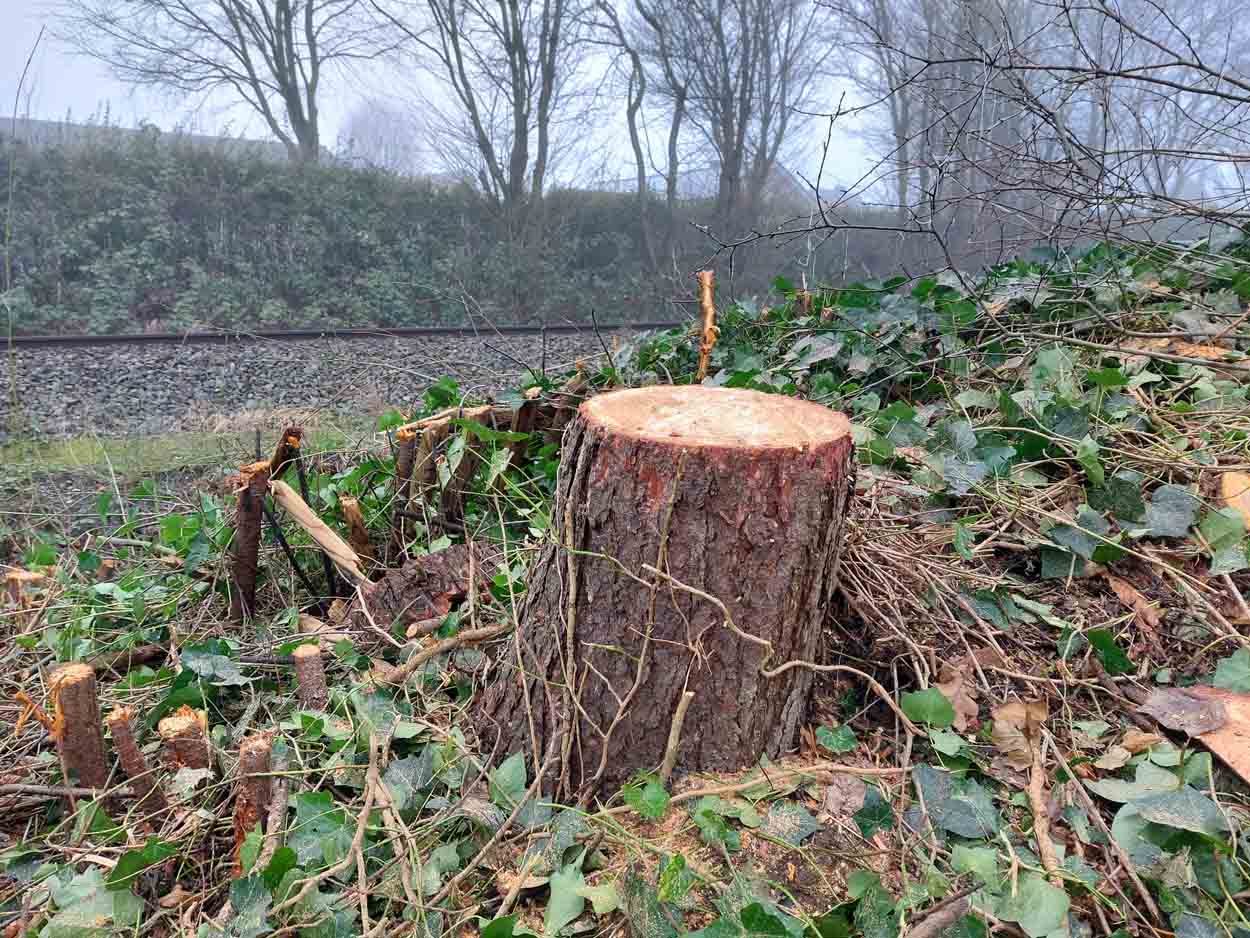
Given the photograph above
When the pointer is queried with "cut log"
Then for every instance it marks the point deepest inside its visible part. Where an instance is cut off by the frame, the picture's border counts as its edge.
(738, 498)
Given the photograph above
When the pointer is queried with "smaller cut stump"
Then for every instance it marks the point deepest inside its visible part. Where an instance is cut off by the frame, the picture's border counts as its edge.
(734, 494)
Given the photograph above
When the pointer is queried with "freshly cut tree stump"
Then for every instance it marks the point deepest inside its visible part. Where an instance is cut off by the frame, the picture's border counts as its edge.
(738, 498)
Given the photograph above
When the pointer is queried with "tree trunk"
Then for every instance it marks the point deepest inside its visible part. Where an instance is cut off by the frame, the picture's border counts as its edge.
(739, 498)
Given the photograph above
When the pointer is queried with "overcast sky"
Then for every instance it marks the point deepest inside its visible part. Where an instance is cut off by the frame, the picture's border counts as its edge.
(61, 83)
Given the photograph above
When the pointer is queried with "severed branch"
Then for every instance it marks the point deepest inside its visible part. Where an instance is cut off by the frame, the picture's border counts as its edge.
(401, 673)
(709, 333)
(338, 550)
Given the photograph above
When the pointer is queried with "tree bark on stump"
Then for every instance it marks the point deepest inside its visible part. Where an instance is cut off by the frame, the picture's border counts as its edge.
(739, 499)
(246, 546)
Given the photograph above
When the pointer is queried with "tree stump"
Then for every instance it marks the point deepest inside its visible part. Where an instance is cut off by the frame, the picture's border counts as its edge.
(738, 497)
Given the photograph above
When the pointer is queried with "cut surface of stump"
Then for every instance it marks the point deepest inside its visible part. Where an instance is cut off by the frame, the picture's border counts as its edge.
(739, 498)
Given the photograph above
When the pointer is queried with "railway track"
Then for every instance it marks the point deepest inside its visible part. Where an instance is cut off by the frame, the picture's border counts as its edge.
(298, 335)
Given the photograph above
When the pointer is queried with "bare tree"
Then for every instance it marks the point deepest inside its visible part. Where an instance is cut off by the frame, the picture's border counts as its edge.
(738, 70)
(272, 55)
(1037, 119)
(507, 67)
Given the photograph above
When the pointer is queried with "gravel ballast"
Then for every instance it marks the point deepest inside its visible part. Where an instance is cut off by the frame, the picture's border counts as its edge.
(117, 390)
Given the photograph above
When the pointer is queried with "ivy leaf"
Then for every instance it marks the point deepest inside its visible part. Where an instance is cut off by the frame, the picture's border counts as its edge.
(928, 706)
(442, 859)
(964, 541)
(85, 905)
(646, 796)
(390, 419)
(134, 862)
(603, 899)
(213, 667)
(876, 913)
(1185, 809)
(1223, 531)
(675, 879)
(502, 927)
(790, 822)
(566, 902)
(320, 832)
(251, 902)
(837, 739)
(644, 911)
(708, 816)
(757, 920)
(1087, 453)
(981, 862)
(1171, 512)
(1061, 564)
(507, 781)
(405, 778)
(1037, 907)
(875, 815)
(1149, 779)
(282, 862)
(1121, 495)
(1109, 653)
(1233, 672)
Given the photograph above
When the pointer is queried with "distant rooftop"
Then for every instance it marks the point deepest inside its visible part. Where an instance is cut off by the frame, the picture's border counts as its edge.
(44, 133)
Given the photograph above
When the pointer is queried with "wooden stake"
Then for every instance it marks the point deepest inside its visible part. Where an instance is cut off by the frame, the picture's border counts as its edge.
(246, 547)
(144, 783)
(707, 281)
(76, 721)
(255, 786)
(185, 735)
(311, 673)
(357, 532)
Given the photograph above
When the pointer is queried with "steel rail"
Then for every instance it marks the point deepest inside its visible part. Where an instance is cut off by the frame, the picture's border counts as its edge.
(300, 335)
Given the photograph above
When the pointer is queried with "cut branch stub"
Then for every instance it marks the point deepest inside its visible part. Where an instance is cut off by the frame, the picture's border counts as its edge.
(246, 546)
(738, 498)
(76, 718)
(357, 530)
(185, 737)
(143, 781)
(311, 674)
(251, 804)
(286, 452)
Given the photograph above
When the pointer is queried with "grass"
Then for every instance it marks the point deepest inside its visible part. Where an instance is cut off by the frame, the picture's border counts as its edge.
(146, 454)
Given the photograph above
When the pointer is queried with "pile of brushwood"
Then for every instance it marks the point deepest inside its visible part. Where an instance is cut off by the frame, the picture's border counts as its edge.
(1042, 725)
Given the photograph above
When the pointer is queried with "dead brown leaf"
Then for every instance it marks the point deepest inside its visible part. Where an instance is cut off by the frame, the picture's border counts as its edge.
(1136, 741)
(844, 795)
(1218, 718)
(1235, 489)
(1116, 757)
(1017, 729)
(1143, 612)
(957, 683)
(175, 897)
